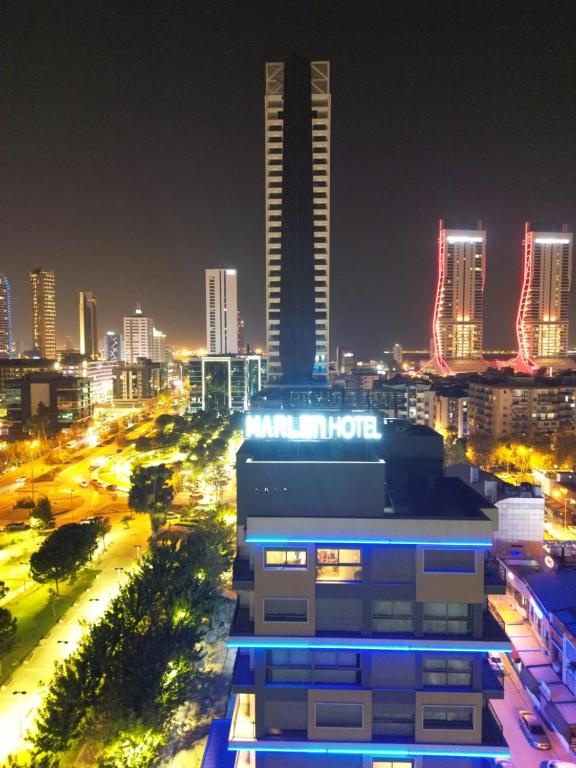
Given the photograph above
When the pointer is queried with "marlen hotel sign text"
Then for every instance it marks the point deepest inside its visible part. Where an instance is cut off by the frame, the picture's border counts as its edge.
(312, 426)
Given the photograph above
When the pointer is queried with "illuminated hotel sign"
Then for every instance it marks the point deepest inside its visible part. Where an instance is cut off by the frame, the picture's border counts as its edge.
(312, 426)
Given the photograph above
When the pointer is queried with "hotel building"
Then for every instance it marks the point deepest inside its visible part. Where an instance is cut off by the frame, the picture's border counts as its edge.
(542, 321)
(361, 628)
(297, 226)
(458, 322)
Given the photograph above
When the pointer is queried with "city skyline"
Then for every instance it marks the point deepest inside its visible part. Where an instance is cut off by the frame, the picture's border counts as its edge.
(148, 202)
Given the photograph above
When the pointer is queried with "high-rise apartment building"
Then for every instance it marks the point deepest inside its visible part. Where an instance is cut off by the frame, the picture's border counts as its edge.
(113, 346)
(43, 312)
(221, 312)
(158, 346)
(458, 322)
(88, 325)
(542, 320)
(138, 336)
(297, 169)
(361, 628)
(6, 327)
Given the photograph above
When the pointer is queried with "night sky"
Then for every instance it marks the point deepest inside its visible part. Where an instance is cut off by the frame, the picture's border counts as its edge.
(131, 151)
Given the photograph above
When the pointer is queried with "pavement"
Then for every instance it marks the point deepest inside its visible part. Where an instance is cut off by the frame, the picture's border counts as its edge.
(21, 696)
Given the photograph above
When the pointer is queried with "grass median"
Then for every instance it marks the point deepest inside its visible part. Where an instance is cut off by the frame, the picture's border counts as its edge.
(37, 614)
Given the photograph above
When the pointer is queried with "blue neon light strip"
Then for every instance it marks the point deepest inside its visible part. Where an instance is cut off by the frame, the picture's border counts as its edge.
(497, 752)
(297, 645)
(352, 540)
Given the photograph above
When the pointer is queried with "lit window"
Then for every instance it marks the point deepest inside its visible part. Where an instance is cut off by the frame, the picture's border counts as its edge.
(338, 565)
(285, 558)
(392, 764)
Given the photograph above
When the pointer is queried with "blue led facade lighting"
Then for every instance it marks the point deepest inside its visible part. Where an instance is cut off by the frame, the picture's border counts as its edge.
(376, 542)
(498, 753)
(303, 645)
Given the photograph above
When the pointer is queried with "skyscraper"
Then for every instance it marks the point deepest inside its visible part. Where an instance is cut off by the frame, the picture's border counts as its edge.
(6, 328)
(458, 322)
(542, 320)
(221, 312)
(88, 325)
(113, 346)
(297, 169)
(158, 346)
(43, 312)
(138, 336)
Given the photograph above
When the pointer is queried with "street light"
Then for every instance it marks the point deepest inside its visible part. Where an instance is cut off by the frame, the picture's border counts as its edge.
(138, 547)
(33, 444)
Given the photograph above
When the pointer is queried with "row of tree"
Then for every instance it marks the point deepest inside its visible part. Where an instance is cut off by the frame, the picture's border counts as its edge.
(138, 662)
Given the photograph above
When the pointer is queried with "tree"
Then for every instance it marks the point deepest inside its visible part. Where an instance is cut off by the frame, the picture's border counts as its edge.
(151, 490)
(42, 514)
(217, 478)
(7, 624)
(102, 526)
(63, 553)
(38, 425)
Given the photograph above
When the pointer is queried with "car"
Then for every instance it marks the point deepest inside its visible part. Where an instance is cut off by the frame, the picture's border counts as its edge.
(111, 487)
(496, 663)
(532, 728)
(83, 483)
(557, 764)
(20, 480)
(504, 764)
(17, 527)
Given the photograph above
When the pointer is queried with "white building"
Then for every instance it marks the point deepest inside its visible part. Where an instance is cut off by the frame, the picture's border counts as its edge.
(138, 336)
(221, 312)
(277, 200)
(158, 346)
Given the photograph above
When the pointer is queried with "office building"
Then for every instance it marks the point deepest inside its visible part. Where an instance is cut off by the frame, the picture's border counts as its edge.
(361, 627)
(43, 312)
(345, 361)
(458, 323)
(221, 312)
(297, 224)
(138, 336)
(519, 405)
(225, 383)
(88, 325)
(7, 348)
(113, 346)
(397, 355)
(137, 382)
(62, 401)
(158, 346)
(542, 320)
(242, 349)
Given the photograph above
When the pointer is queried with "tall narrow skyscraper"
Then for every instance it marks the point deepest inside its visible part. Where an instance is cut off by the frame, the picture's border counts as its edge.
(43, 312)
(542, 320)
(88, 325)
(458, 322)
(297, 168)
(113, 346)
(138, 336)
(6, 328)
(221, 312)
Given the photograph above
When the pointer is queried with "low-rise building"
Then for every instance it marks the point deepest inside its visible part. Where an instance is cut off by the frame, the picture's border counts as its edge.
(225, 383)
(527, 406)
(451, 405)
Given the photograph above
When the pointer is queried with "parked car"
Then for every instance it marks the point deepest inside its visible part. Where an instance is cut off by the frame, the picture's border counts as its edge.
(111, 487)
(557, 764)
(84, 483)
(20, 480)
(17, 527)
(504, 764)
(531, 726)
(496, 663)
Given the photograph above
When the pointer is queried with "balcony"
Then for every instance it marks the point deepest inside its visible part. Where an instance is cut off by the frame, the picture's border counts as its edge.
(241, 623)
(242, 574)
(216, 754)
(492, 682)
(242, 675)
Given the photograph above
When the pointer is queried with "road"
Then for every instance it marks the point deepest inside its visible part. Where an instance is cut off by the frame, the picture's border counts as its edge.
(507, 709)
(20, 698)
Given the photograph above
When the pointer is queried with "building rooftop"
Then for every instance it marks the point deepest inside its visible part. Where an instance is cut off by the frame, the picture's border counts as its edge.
(555, 590)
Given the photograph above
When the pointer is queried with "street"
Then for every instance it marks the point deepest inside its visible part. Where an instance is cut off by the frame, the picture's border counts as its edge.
(21, 696)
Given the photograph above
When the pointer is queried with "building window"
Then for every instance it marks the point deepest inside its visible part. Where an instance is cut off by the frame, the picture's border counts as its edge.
(339, 715)
(392, 764)
(324, 668)
(447, 618)
(438, 717)
(285, 558)
(395, 720)
(442, 673)
(337, 667)
(393, 616)
(338, 565)
(452, 561)
(285, 666)
(285, 609)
